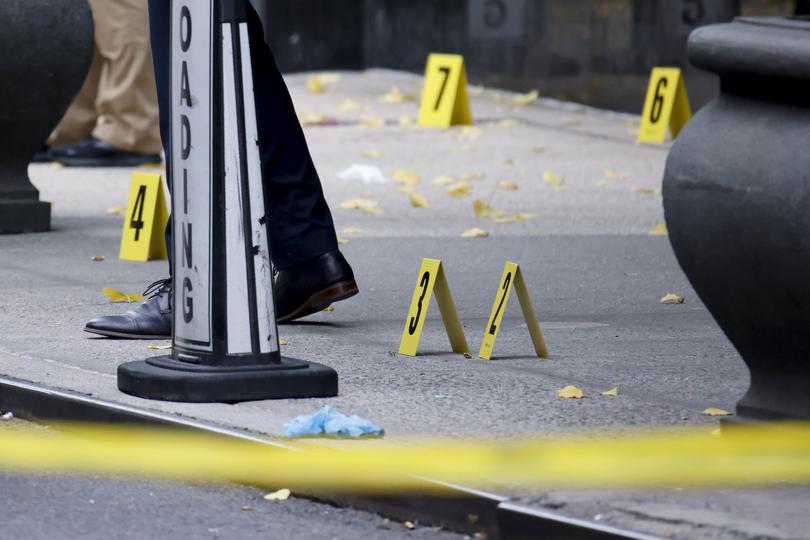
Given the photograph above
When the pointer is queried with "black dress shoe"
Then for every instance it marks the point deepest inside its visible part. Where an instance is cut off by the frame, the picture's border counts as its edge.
(313, 286)
(92, 152)
(150, 320)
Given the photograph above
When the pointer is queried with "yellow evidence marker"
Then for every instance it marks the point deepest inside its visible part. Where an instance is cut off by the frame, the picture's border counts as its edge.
(444, 100)
(432, 280)
(512, 278)
(666, 106)
(144, 238)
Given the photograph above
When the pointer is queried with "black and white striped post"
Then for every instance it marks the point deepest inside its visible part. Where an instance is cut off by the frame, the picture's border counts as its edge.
(226, 345)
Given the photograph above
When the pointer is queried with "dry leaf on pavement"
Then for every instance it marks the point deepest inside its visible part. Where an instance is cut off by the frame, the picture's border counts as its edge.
(714, 411)
(475, 233)
(613, 392)
(97, 258)
(316, 84)
(280, 495)
(538, 149)
(395, 95)
(644, 191)
(483, 209)
(348, 105)
(342, 241)
(442, 180)
(119, 297)
(282, 341)
(329, 309)
(508, 185)
(372, 153)
(468, 133)
(525, 99)
(404, 176)
(660, 229)
(553, 179)
(159, 347)
(419, 201)
(472, 176)
(570, 392)
(475, 91)
(520, 217)
(406, 121)
(349, 231)
(372, 121)
(116, 211)
(369, 206)
(459, 189)
(672, 298)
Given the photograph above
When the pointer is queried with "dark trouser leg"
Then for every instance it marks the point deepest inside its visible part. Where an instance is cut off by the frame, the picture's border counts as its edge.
(300, 223)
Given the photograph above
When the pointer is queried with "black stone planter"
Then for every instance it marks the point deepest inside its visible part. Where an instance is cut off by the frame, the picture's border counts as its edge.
(737, 203)
(45, 51)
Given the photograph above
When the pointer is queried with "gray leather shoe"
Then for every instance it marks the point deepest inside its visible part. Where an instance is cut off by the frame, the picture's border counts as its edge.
(150, 320)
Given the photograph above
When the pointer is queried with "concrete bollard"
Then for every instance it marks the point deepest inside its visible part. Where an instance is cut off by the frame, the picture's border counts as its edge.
(737, 203)
(45, 52)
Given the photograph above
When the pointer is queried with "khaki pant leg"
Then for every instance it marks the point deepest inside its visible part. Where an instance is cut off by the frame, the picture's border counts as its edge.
(127, 99)
(80, 119)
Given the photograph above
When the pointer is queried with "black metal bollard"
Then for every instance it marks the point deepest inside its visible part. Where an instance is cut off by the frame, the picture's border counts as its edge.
(45, 52)
(737, 203)
(226, 346)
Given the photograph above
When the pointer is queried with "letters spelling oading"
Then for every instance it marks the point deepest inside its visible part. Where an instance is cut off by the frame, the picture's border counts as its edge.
(185, 143)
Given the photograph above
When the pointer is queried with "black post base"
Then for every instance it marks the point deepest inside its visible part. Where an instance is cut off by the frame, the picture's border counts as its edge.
(21, 216)
(166, 379)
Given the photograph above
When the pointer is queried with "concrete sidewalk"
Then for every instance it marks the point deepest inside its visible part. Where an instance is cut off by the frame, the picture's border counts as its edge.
(595, 275)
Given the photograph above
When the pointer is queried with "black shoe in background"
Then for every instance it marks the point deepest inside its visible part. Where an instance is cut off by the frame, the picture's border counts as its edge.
(92, 152)
(150, 320)
(312, 286)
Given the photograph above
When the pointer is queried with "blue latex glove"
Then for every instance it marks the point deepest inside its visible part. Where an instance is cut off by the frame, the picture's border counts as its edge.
(330, 423)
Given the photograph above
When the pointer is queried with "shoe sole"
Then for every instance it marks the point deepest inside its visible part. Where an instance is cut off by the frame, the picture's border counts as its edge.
(94, 162)
(323, 299)
(124, 335)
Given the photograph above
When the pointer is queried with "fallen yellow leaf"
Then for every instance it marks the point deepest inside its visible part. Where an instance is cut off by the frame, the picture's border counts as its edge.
(280, 495)
(316, 84)
(442, 180)
(475, 233)
(342, 241)
(525, 99)
(509, 161)
(468, 133)
(368, 206)
(507, 122)
(159, 347)
(516, 218)
(119, 297)
(615, 175)
(714, 411)
(282, 341)
(329, 309)
(475, 91)
(57, 165)
(116, 211)
(570, 392)
(372, 121)
(349, 231)
(407, 190)
(538, 149)
(312, 118)
(97, 258)
(613, 392)
(372, 153)
(472, 176)
(348, 105)
(660, 229)
(483, 209)
(459, 189)
(418, 201)
(567, 122)
(407, 177)
(508, 185)
(553, 179)
(406, 121)
(672, 298)
(644, 191)
(409, 525)
(395, 95)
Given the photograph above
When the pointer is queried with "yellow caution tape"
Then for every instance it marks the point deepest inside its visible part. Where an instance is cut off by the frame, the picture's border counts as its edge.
(742, 456)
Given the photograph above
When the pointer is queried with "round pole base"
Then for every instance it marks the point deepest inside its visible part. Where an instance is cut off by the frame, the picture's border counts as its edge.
(166, 379)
